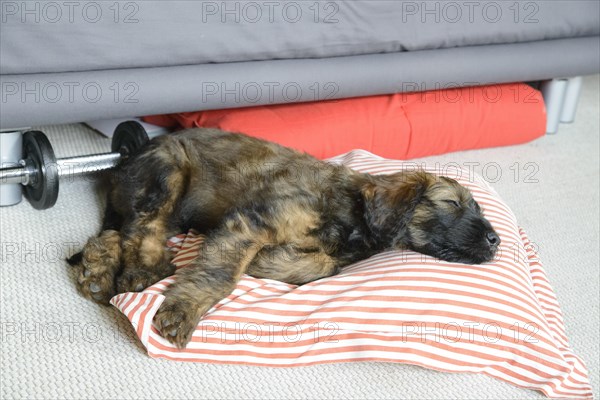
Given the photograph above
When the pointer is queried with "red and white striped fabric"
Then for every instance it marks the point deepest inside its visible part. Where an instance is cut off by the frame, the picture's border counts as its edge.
(501, 318)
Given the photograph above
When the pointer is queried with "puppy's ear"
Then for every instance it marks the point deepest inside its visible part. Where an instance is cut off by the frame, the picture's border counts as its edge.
(405, 189)
(390, 201)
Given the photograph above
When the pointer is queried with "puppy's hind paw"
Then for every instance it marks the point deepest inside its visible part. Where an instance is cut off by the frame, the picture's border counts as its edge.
(96, 267)
(95, 285)
(136, 280)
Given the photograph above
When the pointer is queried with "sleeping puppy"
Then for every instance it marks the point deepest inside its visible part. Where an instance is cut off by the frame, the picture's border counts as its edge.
(268, 211)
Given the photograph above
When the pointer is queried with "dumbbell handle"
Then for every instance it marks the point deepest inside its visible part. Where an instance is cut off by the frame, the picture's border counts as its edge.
(71, 166)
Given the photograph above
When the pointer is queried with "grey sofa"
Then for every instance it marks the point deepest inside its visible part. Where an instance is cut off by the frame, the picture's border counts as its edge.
(86, 61)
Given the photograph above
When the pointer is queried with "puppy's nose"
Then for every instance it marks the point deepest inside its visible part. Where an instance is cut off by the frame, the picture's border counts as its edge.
(493, 239)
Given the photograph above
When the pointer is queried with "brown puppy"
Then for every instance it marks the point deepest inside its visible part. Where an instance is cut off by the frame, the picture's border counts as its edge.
(268, 211)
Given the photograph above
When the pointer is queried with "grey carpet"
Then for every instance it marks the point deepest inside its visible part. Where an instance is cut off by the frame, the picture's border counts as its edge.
(57, 345)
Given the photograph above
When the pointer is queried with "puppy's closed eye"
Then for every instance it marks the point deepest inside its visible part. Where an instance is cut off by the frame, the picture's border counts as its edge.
(453, 203)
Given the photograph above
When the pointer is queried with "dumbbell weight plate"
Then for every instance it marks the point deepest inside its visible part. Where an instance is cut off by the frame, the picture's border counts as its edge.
(42, 189)
(128, 138)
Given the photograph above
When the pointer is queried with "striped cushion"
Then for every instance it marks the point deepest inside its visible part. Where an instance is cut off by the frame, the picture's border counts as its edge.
(501, 318)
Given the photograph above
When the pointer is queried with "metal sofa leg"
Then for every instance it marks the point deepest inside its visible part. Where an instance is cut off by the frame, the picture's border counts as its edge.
(11, 149)
(571, 99)
(561, 97)
(553, 92)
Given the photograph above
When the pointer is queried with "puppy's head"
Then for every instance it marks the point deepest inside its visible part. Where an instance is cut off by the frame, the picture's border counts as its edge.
(432, 215)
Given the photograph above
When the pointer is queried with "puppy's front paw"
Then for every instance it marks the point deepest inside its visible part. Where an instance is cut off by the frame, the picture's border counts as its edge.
(176, 320)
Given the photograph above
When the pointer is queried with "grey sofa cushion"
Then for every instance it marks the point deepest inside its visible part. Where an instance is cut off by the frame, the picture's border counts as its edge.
(42, 37)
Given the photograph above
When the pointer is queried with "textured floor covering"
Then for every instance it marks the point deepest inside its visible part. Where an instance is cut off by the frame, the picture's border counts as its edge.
(54, 344)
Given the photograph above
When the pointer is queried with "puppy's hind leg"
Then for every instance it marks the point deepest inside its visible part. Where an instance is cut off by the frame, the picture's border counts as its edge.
(163, 174)
(145, 258)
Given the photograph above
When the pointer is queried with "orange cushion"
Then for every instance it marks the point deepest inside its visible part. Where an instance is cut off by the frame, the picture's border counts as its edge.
(402, 126)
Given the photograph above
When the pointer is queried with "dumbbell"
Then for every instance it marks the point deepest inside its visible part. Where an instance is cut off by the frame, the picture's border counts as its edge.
(39, 170)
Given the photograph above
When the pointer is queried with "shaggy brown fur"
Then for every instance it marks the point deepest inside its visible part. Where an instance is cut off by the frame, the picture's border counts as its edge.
(267, 211)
